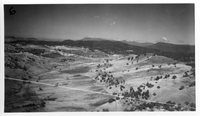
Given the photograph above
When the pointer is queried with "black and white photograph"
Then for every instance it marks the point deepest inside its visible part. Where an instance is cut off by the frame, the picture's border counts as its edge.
(107, 57)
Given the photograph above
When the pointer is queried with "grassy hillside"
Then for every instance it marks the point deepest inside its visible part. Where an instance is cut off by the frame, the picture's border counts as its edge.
(178, 52)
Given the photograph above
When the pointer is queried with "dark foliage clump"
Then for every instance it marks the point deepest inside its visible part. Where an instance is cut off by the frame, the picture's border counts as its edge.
(181, 88)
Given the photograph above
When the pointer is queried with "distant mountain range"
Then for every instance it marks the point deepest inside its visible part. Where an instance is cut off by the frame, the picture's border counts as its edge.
(180, 52)
(123, 41)
(93, 39)
(137, 43)
(13, 38)
(168, 47)
(165, 47)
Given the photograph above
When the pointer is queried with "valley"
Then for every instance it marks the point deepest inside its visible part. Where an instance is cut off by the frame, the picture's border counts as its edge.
(78, 77)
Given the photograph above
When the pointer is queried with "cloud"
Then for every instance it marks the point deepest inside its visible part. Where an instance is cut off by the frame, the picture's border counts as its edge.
(164, 38)
(97, 16)
(113, 23)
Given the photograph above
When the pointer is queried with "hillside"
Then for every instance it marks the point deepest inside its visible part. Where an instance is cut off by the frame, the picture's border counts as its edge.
(109, 46)
(168, 47)
(92, 39)
(179, 52)
(114, 47)
(47, 76)
(137, 43)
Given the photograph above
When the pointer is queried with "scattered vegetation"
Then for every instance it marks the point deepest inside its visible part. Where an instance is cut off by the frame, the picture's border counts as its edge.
(133, 96)
(181, 87)
(192, 84)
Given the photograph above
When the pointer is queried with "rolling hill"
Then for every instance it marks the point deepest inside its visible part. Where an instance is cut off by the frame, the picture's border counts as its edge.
(178, 52)
(137, 43)
(168, 47)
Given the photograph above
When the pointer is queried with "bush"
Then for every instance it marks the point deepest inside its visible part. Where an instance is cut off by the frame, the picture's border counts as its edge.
(149, 85)
(105, 110)
(192, 105)
(185, 75)
(111, 100)
(186, 103)
(181, 88)
(117, 98)
(192, 84)
(174, 77)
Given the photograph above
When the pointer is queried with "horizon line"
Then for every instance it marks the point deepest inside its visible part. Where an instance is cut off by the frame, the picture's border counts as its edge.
(53, 39)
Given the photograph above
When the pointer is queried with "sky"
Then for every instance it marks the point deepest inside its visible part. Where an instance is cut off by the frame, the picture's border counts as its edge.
(173, 23)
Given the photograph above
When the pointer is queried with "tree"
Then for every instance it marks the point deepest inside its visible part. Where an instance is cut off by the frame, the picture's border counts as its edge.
(154, 94)
(174, 77)
(185, 75)
(181, 88)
